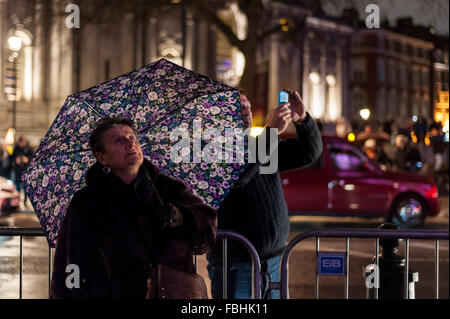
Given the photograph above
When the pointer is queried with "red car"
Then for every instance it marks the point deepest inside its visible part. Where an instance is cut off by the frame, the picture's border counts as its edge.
(344, 181)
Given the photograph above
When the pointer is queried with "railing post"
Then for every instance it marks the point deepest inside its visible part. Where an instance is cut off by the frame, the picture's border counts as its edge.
(50, 270)
(256, 264)
(381, 235)
(392, 269)
(20, 266)
(224, 268)
(436, 270)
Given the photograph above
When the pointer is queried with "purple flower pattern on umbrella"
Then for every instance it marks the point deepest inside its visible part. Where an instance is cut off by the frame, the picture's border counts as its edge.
(158, 98)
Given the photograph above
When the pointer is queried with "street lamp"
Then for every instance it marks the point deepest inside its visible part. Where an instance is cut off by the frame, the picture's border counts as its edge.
(15, 44)
(364, 113)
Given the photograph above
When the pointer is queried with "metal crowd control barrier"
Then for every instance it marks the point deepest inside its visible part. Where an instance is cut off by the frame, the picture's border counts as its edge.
(28, 232)
(256, 264)
(361, 233)
(223, 234)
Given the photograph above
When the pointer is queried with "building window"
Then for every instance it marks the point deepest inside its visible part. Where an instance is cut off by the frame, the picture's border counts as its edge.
(403, 75)
(416, 77)
(403, 104)
(386, 44)
(415, 104)
(392, 103)
(392, 72)
(425, 105)
(398, 47)
(358, 100)
(381, 103)
(359, 69)
(381, 70)
(444, 80)
(425, 78)
(107, 70)
(389, 45)
(357, 42)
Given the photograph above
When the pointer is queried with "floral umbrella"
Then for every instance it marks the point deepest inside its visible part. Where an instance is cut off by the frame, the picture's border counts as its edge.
(160, 98)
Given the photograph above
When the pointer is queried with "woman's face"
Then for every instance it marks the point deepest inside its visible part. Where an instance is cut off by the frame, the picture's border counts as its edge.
(121, 149)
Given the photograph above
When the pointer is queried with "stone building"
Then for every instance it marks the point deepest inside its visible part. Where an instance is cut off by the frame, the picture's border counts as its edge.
(55, 61)
(441, 87)
(338, 68)
(390, 75)
(326, 65)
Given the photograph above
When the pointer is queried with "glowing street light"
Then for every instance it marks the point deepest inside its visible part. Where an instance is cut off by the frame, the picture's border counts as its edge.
(331, 80)
(15, 43)
(314, 77)
(364, 113)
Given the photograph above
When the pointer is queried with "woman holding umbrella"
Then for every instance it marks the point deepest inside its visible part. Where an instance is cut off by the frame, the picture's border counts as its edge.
(130, 226)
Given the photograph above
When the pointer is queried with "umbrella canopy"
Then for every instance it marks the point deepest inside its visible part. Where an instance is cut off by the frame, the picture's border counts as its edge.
(160, 98)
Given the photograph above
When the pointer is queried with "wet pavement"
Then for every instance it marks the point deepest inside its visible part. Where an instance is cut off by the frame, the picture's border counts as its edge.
(302, 285)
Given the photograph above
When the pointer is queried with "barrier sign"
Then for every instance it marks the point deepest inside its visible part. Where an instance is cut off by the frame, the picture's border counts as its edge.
(331, 263)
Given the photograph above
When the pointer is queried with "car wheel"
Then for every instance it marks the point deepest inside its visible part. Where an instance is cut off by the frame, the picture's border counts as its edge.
(409, 211)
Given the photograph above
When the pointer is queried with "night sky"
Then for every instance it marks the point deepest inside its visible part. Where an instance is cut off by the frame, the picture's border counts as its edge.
(424, 12)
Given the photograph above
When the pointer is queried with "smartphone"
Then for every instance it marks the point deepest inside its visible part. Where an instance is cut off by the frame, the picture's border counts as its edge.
(283, 97)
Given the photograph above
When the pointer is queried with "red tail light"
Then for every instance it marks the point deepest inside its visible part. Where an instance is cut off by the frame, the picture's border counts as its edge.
(432, 192)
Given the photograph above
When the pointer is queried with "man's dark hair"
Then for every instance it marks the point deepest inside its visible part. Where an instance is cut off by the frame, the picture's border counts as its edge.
(96, 139)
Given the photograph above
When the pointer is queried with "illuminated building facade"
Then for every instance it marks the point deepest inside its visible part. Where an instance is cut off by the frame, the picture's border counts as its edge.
(390, 75)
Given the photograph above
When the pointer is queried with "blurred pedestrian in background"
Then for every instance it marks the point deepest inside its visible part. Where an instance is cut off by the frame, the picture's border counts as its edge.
(440, 155)
(437, 144)
(387, 126)
(366, 132)
(375, 151)
(407, 157)
(20, 159)
(343, 127)
(420, 129)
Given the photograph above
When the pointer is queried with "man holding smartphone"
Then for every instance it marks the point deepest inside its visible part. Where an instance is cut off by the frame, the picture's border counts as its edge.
(255, 206)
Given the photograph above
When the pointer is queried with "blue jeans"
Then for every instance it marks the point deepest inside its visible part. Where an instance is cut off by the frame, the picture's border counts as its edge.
(240, 279)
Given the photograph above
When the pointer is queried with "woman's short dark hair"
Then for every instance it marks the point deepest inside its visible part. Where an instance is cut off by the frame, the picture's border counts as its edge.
(96, 139)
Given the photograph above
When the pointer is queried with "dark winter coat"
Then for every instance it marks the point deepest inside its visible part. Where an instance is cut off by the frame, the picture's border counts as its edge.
(255, 207)
(406, 158)
(17, 158)
(108, 220)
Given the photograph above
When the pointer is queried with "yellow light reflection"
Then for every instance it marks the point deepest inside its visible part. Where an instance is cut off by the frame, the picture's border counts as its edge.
(256, 130)
(351, 137)
(413, 137)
